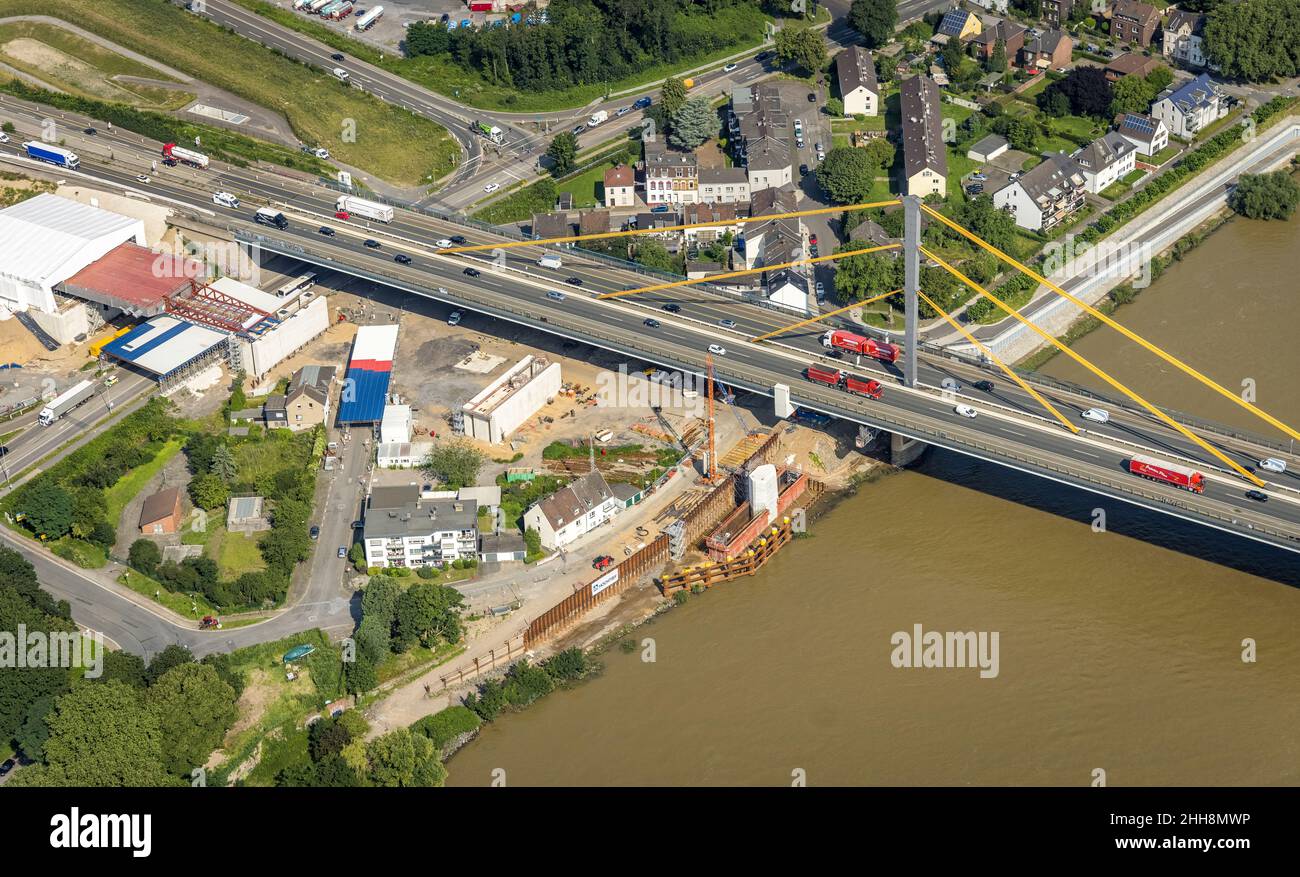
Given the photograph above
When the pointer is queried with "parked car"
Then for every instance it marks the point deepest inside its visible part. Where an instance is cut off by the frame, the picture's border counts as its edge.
(1096, 415)
(659, 208)
(314, 532)
(965, 411)
(491, 187)
(978, 177)
(673, 308)
(7, 766)
(372, 243)
(327, 231)
(812, 239)
(821, 290)
(650, 323)
(472, 272)
(402, 259)
(343, 550)
(453, 319)
(812, 98)
(803, 170)
(717, 350)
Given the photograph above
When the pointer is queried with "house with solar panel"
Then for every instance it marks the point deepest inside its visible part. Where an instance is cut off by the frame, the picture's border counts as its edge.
(959, 24)
(1191, 107)
(1147, 134)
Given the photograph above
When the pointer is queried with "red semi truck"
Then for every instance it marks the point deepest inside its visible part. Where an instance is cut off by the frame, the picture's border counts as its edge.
(1169, 473)
(881, 350)
(833, 377)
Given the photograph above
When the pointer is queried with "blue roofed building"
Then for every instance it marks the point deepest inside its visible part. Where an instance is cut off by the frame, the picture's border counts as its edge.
(365, 389)
(1191, 107)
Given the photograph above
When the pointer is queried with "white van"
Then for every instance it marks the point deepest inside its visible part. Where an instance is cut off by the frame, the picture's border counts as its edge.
(340, 74)
(550, 260)
(1273, 464)
(225, 199)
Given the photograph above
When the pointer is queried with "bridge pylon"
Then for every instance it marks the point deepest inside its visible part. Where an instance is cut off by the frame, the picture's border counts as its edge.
(911, 283)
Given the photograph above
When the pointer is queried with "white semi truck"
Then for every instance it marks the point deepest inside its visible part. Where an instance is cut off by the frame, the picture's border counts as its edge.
(65, 402)
(361, 207)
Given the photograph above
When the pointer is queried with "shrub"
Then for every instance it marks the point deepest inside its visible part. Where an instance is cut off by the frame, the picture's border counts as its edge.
(445, 726)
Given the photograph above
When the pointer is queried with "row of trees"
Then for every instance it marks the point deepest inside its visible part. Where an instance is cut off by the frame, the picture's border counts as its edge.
(1255, 40)
(590, 41)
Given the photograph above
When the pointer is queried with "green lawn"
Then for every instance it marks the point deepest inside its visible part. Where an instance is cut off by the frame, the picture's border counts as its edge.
(391, 143)
(1030, 94)
(1162, 156)
(176, 602)
(1116, 190)
(134, 481)
(259, 460)
(444, 76)
(238, 554)
(1076, 125)
(1134, 175)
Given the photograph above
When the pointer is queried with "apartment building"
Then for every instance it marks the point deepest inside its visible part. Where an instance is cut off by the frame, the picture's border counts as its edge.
(1134, 22)
(1045, 196)
(671, 175)
(1105, 160)
(925, 157)
(403, 530)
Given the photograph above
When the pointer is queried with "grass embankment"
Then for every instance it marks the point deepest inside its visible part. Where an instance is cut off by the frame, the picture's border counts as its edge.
(71, 63)
(121, 493)
(391, 143)
(468, 87)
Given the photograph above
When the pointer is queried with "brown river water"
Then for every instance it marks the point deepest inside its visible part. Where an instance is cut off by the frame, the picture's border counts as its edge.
(1118, 651)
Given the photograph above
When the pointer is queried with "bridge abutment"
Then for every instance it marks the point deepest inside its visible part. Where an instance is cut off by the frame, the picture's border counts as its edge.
(904, 451)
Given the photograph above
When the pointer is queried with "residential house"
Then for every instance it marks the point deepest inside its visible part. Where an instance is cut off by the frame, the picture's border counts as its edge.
(1105, 160)
(1046, 195)
(789, 288)
(1056, 13)
(870, 233)
(594, 222)
(988, 148)
(772, 234)
(671, 175)
(1147, 134)
(1131, 64)
(1010, 33)
(502, 548)
(402, 529)
(1047, 51)
(552, 225)
(855, 71)
(161, 512)
(1134, 22)
(723, 214)
(573, 511)
(696, 270)
(649, 222)
(998, 6)
(620, 186)
(925, 157)
(763, 136)
(724, 185)
(307, 401)
(274, 412)
(960, 24)
(1189, 108)
(1183, 38)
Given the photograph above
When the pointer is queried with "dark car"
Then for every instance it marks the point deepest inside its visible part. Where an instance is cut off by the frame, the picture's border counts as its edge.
(803, 170)
(372, 243)
(986, 386)
(458, 239)
(472, 272)
(327, 231)
(402, 258)
(315, 532)
(762, 56)
(170, 162)
(91, 131)
(574, 281)
(835, 353)
(642, 102)
(812, 98)
(7, 766)
(1257, 495)
(673, 308)
(337, 56)
(651, 323)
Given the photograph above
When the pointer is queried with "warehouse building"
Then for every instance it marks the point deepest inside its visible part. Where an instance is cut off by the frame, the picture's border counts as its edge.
(503, 405)
(365, 388)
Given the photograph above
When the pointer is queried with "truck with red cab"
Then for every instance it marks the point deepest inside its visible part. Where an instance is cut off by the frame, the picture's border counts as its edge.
(1170, 473)
(838, 339)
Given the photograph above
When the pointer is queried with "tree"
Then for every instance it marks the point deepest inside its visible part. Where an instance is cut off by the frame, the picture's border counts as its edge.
(326, 738)
(1254, 40)
(653, 254)
(195, 708)
(533, 542)
(145, 555)
(456, 463)
(101, 735)
(427, 38)
(694, 123)
(429, 613)
(223, 463)
(1087, 89)
(672, 96)
(1054, 103)
(1265, 196)
(360, 676)
(172, 656)
(880, 152)
(875, 20)
(1031, 8)
(47, 509)
(802, 46)
(998, 60)
(1131, 95)
(846, 175)
(209, 492)
(862, 276)
(953, 54)
(835, 107)
(21, 691)
(403, 759)
(562, 152)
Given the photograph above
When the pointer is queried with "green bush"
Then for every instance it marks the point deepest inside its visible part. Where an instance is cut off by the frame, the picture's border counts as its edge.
(445, 726)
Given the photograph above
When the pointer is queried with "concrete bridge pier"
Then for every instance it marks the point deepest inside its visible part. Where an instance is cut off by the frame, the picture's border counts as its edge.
(904, 451)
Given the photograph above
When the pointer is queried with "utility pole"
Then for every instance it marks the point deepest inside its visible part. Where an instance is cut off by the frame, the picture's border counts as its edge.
(911, 283)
